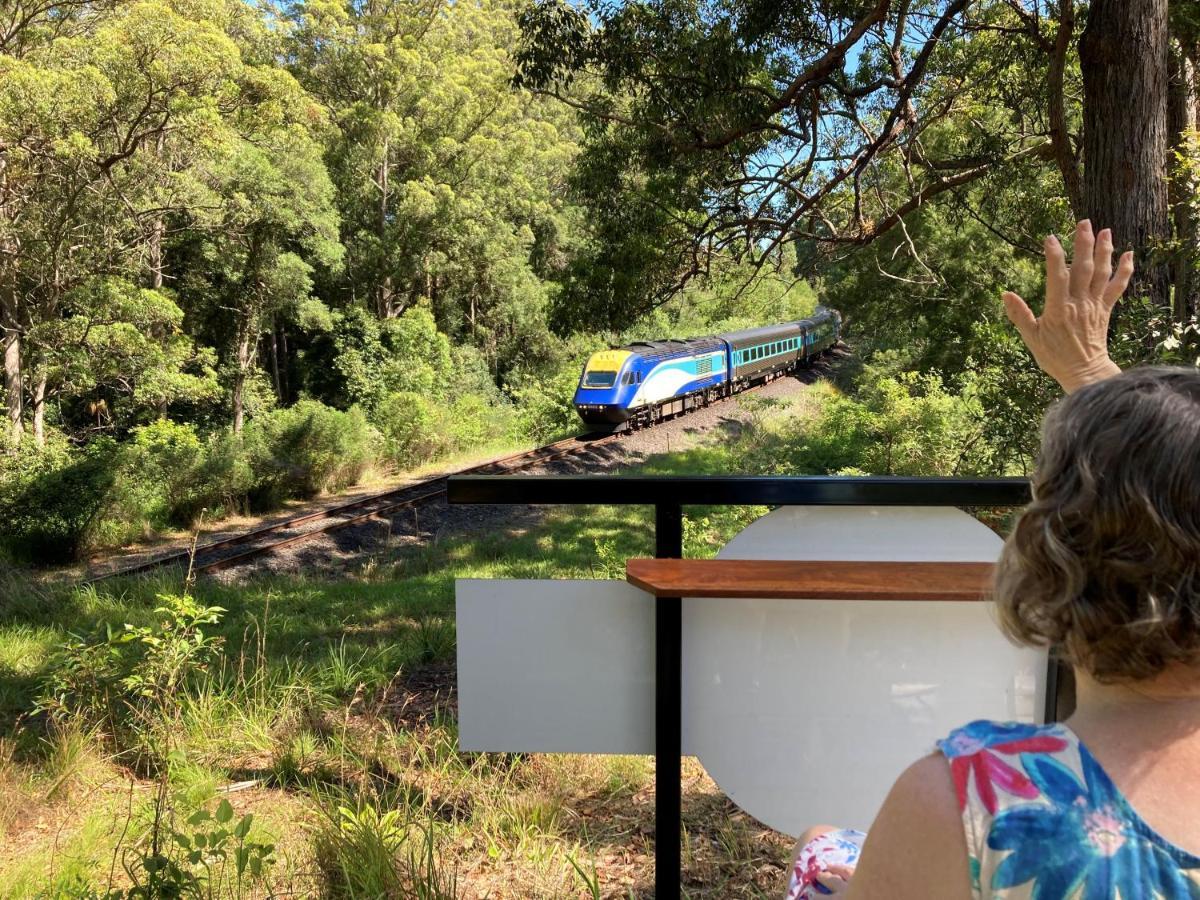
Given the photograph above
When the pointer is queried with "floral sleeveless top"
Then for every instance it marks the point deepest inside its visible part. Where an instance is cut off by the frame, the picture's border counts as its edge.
(1044, 822)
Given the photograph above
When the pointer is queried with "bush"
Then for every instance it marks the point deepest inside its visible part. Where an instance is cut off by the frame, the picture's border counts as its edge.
(125, 683)
(544, 408)
(306, 449)
(52, 498)
(474, 421)
(412, 429)
(898, 424)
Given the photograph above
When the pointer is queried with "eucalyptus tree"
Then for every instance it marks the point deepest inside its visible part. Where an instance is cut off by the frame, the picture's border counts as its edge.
(450, 182)
(744, 126)
(84, 115)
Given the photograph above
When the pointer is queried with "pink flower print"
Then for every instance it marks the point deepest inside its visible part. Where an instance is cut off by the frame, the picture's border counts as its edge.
(975, 751)
(1104, 831)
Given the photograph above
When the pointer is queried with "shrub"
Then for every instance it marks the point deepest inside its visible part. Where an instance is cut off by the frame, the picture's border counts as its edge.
(51, 499)
(412, 429)
(544, 408)
(474, 421)
(126, 682)
(154, 480)
(306, 449)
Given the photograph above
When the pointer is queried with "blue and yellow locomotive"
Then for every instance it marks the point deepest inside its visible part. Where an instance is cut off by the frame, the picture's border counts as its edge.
(646, 381)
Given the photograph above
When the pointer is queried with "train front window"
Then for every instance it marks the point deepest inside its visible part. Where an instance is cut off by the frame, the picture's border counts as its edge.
(599, 379)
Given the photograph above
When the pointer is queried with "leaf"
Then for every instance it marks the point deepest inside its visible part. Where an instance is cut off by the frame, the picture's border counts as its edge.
(243, 827)
(224, 812)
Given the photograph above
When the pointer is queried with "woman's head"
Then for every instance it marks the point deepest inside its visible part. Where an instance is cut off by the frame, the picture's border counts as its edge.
(1106, 559)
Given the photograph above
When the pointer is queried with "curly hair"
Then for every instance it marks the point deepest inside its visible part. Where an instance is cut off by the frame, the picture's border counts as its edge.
(1104, 564)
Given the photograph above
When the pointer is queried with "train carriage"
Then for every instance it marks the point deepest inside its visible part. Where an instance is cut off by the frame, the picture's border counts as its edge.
(757, 353)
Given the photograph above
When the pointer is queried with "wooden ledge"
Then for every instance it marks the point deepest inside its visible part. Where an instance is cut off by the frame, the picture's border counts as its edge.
(811, 579)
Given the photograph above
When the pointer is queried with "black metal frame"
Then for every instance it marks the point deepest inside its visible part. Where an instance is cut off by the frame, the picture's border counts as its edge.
(668, 496)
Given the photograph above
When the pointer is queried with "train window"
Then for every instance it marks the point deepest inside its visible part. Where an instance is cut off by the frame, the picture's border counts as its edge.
(599, 379)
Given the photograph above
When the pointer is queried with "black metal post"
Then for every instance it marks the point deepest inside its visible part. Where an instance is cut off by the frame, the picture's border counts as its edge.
(668, 714)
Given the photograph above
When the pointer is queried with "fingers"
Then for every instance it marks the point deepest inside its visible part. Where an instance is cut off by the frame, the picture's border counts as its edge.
(1082, 265)
(1101, 263)
(1120, 281)
(1057, 276)
(836, 878)
(1019, 314)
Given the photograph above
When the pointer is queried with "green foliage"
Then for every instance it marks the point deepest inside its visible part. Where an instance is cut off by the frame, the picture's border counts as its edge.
(364, 851)
(898, 423)
(544, 409)
(306, 449)
(126, 682)
(411, 427)
(51, 500)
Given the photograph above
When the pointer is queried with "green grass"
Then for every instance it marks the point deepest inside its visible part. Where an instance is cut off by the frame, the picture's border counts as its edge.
(351, 771)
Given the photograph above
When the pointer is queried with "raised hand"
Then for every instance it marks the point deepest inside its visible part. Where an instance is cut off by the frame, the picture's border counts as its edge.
(1070, 339)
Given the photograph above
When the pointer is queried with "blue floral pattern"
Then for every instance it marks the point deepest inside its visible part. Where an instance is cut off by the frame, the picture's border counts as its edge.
(1044, 821)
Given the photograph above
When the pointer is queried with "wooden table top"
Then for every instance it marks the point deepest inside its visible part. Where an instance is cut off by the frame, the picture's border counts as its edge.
(812, 579)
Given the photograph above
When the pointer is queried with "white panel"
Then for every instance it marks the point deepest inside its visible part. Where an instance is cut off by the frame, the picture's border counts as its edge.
(806, 711)
(555, 666)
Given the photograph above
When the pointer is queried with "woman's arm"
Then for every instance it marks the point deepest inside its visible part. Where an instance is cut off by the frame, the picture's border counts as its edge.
(1070, 339)
(916, 848)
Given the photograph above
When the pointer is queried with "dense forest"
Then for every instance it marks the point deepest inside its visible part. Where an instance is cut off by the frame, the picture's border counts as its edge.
(250, 251)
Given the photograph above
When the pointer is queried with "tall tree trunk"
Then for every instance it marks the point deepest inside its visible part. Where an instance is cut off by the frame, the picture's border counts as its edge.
(285, 366)
(275, 360)
(1183, 120)
(1123, 55)
(11, 337)
(245, 359)
(39, 411)
(386, 300)
(10, 331)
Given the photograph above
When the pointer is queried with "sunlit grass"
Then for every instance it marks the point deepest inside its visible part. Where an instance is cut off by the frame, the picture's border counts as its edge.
(311, 717)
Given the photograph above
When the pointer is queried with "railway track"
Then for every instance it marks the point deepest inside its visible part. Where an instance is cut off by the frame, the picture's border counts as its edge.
(240, 548)
(237, 549)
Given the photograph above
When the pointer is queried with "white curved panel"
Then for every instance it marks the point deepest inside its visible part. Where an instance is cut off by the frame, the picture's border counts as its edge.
(806, 711)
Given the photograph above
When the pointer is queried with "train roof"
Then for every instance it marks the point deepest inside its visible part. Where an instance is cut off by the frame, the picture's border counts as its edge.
(672, 346)
(783, 329)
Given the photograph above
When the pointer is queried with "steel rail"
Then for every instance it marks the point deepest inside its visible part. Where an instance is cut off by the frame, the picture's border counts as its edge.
(523, 460)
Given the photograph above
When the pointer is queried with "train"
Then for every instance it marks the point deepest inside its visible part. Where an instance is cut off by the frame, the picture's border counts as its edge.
(647, 381)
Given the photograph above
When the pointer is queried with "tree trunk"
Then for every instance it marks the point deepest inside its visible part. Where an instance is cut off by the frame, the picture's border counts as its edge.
(1184, 119)
(285, 368)
(39, 411)
(245, 359)
(12, 373)
(157, 230)
(386, 301)
(1123, 55)
(10, 332)
(275, 360)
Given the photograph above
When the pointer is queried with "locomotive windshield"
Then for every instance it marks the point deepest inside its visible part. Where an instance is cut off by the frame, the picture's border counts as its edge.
(599, 379)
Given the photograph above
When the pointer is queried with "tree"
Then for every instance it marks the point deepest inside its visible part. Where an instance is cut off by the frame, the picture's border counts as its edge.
(450, 183)
(829, 123)
(81, 111)
(274, 214)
